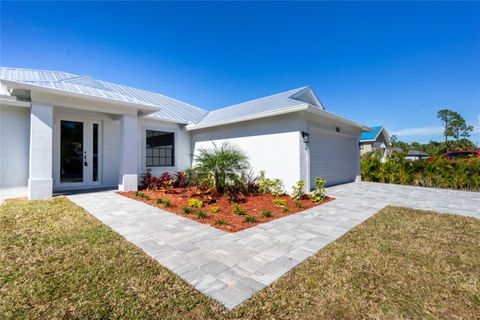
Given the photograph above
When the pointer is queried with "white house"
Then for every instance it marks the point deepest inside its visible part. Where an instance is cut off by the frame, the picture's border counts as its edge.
(60, 132)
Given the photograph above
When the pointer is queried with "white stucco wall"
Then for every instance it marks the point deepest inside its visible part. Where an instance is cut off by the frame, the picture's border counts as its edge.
(14, 146)
(182, 145)
(272, 144)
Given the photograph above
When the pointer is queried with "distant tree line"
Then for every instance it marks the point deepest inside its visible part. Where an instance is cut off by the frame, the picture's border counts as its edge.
(454, 126)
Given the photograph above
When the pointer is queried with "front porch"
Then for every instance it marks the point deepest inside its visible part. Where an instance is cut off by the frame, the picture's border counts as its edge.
(75, 149)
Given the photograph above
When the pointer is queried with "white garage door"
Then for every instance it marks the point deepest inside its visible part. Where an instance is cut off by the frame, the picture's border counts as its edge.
(332, 157)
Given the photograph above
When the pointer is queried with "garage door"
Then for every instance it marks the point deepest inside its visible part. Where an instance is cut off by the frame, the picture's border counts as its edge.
(332, 156)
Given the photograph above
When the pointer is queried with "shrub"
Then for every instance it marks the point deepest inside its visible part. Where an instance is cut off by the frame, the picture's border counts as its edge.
(285, 209)
(251, 183)
(438, 172)
(159, 201)
(195, 203)
(148, 181)
(297, 192)
(167, 203)
(180, 179)
(319, 194)
(273, 187)
(186, 210)
(220, 222)
(250, 219)
(238, 210)
(279, 202)
(225, 165)
(201, 214)
(267, 214)
(236, 192)
(298, 205)
(214, 209)
(167, 181)
(141, 195)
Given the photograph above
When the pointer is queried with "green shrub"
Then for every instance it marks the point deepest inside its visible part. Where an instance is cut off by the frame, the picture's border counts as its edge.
(220, 222)
(319, 194)
(250, 219)
(238, 210)
(225, 165)
(285, 209)
(201, 214)
(267, 214)
(438, 172)
(298, 192)
(159, 201)
(214, 209)
(167, 203)
(195, 203)
(273, 187)
(186, 210)
(279, 202)
(141, 195)
(298, 205)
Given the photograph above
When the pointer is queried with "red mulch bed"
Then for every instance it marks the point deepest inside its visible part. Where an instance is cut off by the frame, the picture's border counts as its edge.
(253, 205)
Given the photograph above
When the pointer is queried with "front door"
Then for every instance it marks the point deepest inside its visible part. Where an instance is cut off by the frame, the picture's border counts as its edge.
(78, 153)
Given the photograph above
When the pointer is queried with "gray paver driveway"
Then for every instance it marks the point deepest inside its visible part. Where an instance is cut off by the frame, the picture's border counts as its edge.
(231, 267)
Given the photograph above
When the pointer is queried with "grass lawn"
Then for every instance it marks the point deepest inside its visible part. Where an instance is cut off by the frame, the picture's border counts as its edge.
(56, 261)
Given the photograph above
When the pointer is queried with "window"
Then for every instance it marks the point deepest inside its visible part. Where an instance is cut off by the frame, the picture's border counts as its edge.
(160, 149)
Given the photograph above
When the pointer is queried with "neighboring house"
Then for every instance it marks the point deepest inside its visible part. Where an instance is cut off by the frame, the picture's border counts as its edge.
(416, 155)
(378, 139)
(61, 131)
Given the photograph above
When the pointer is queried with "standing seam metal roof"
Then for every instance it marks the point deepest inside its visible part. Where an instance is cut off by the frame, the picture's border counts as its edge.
(171, 109)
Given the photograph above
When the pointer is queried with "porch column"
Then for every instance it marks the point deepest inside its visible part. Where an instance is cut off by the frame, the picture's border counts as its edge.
(40, 182)
(128, 180)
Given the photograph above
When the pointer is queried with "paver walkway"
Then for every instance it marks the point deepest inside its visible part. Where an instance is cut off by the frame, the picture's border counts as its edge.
(231, 267)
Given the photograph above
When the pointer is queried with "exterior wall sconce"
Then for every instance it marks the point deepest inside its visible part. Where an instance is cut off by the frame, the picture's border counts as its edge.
(306, 137)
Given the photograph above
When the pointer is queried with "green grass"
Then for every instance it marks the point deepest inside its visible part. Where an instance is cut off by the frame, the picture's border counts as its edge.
(56, 261)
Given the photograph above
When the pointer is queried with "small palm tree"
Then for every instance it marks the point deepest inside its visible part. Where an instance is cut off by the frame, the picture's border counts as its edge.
(226, 164)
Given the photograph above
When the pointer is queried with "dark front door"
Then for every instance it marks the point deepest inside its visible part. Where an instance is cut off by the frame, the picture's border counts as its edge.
(71, 151)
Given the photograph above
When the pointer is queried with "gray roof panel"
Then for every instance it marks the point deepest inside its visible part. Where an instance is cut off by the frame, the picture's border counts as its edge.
(275, 102)
(171, 109)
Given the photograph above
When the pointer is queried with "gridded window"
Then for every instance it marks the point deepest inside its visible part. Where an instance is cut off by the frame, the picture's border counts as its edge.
(160, 149)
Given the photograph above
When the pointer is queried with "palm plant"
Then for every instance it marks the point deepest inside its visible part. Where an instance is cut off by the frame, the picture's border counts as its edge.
(225, 164)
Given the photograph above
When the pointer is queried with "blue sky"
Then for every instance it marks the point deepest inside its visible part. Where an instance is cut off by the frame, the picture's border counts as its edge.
(394, 64)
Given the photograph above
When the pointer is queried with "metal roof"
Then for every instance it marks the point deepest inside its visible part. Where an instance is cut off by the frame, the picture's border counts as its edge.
(370, 136)
(287, 100)
(170, 109)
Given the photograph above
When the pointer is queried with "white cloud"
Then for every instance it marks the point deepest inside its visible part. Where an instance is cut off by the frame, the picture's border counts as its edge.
(423, 131)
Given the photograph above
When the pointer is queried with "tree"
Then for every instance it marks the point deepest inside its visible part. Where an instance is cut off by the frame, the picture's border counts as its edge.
(446, 116)
(454, 126)
(225, 164)
(459, 126)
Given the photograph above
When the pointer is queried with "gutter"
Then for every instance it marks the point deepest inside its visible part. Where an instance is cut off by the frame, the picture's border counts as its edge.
(333, 116)
(7, 100)
(255, 116)
(302, 107)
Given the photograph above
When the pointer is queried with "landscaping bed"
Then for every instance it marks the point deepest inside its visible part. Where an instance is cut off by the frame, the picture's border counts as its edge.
(222, 213)
(221, 190)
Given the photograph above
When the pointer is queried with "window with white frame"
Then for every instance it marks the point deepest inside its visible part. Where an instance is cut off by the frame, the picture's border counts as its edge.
(160, 149)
